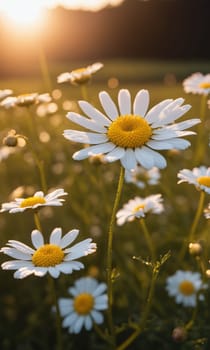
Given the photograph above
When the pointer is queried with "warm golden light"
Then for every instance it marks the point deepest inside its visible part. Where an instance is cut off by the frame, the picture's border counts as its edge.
(22, 12)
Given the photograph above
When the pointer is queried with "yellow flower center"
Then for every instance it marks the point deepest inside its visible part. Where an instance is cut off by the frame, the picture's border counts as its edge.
(82, 75)
(83, 303)
(204, 180)
(30, 201)
(48, 255)
(129, 131)
(204, 85)
(186, 288)
(139, 207)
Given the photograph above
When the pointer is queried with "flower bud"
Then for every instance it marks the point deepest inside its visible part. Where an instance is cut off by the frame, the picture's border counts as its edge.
(195, 249)
(179, 334)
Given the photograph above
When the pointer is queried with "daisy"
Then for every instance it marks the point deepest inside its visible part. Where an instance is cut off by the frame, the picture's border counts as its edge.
(53, 257)
(80, 75)
(200, 177)
(5, 93)
(140, 176)
(84, 308)
(184, 286)
(197, 83)
(38, 200)
(25, 100)
(139, 207)
(133, 137)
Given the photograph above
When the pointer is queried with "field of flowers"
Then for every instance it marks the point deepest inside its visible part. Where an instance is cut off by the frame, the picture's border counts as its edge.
(105, 185)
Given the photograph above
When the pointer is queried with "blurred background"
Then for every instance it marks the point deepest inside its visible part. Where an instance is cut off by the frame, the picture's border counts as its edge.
(93, 30)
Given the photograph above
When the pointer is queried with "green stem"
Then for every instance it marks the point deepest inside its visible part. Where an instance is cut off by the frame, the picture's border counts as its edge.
(142, 325)
(84, 93)
(189, 325)
(58, 316)
(148, 239)
(200, 147)
(44, 69)
(37, 221)
(194, 225)
(109, 255)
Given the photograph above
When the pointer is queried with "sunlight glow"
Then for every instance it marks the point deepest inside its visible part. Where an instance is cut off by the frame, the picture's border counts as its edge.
(22, 12)
(30, 11)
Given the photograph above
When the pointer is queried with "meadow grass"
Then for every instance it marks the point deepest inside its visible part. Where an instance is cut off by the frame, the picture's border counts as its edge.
(27, 320)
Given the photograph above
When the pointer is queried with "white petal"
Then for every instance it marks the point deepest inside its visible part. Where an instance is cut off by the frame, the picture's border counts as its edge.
(14, 253)
(124, 101)
(69, 320)
(68, 238)
(15, 264)
(22, 273)
(85, 122)
(78, 324)
(94, 113)
(84, 137)
(93, 150)
(37, 238)
(55, 237)
(129, 160)
(108, 105)
(88, 322)
(153, 113)
(144, 158)
(100, 289)
(116, 154)
(54, 272)
(20, 246)
(97, 316)
(141, 103)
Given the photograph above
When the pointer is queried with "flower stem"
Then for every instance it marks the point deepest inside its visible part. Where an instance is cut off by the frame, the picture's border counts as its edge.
(142, 324)
(37, 221)
(58, 316)
(194, 224)
(44, 69)
(109, 255)
(148, 239)
(200, 148)
(84, 92)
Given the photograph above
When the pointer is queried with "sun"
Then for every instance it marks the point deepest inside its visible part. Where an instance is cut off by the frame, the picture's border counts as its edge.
(22, 12)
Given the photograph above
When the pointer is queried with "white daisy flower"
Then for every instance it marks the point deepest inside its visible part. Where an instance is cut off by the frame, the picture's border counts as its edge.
(140, 176)
(53, 257)
(38, 200)
(197, 83)
(84, 308)
(5, 93)
(184, 286)
(80, 75)
(200, 177)
(131, 136)
(139, 207)
(25, 100)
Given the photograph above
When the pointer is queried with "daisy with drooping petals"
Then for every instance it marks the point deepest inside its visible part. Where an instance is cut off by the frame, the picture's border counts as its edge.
(200, 177)
(80, 75)
(139, 207)
(84, 308)
(131, 135)
(25, 100)
(140, 176)
(38, 200)
(53, 257)
(197, 83)
(184, 286)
